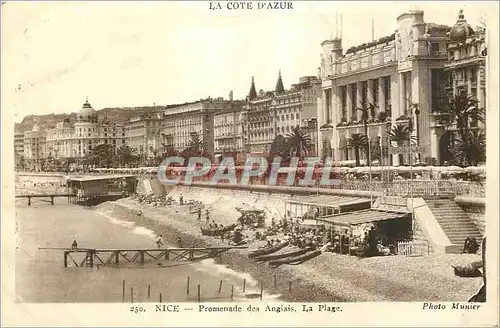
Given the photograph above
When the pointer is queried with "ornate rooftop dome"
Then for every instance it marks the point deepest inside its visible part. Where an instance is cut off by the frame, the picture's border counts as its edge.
(87, 110)
(461, 30)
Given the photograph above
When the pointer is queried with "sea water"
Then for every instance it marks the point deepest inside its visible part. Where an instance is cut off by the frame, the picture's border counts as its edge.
(41, 276)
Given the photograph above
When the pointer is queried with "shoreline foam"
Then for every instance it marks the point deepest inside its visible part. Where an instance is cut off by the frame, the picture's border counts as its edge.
(302, 290)
(330, 277)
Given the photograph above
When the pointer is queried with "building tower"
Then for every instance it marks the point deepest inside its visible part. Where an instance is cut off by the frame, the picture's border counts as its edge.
(279, 85)
(252, 94)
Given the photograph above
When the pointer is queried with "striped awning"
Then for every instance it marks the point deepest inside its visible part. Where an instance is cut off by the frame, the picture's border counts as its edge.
(360, 217)
(327, 201)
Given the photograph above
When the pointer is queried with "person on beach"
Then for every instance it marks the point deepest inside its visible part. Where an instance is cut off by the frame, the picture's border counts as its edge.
(480, 296)
(199, 214)
(74, 245)
(470, 246)
(159, 241)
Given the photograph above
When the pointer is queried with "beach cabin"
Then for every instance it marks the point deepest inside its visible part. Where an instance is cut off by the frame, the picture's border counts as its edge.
(323, 205)
(93, 190)
(390, 217)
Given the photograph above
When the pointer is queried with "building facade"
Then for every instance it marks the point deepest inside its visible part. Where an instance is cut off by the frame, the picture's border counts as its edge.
(193, 121)
(397, 74)
(61, 140)
(77, 140)
(143, 134)
(19, 149)
(229, 129)
(269, 114)
(464, 72)
(43, 147)
(34, 148)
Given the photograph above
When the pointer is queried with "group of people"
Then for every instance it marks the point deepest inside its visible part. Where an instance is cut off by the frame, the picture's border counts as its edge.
(160, 243)
(155, 200)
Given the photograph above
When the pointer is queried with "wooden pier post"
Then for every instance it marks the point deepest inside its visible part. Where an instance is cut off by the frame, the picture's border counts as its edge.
(91, 257)
(187, 289)
(261, 291)
(290, 286)
(142, 257)
(131, 294)
(117, 256)
(149, 291)
(275, 281)
(29, 200)
(123, 290)
(199, 294)
(66, 259)
(232, 292)
(244, 284)
(220, 286)
(160, 298)
(52, 200)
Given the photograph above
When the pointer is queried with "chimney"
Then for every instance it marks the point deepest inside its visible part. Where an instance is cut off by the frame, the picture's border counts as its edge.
(230, 95)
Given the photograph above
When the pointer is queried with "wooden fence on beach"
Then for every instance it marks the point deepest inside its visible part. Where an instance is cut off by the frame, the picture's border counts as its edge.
(413, 248)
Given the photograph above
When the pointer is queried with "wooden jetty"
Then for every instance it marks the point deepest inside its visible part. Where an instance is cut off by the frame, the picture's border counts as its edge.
(112, 256)
(71, 197)
(92, 190)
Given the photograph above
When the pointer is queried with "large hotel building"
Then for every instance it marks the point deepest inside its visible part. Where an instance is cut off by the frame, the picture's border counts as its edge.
(418, 66)
(273, 113)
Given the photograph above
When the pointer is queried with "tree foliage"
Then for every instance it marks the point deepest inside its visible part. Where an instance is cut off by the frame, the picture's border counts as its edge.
(357, 141)
(299, 142)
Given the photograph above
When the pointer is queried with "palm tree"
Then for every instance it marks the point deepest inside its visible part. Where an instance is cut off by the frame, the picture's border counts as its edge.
(125, 154)
(462, 110)
(169, 150)
(400, 134)
(357, 141)
(376, 150)
(279, 146)
(472, 149)
(298, 142)
(367, 110)
(196, 147)
(157, 156)
(22, 162)
(104, 153)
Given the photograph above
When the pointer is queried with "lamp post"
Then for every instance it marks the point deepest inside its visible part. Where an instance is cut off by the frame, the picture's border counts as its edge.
(414, 108)
(388, 126)
(417, 113)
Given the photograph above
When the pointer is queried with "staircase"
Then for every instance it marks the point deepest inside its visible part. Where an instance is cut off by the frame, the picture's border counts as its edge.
(455, 223)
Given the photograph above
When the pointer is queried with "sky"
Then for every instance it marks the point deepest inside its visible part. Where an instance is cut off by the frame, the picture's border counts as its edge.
(55, 54)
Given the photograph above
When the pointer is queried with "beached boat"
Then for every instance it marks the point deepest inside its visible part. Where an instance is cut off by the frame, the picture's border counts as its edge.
(268, 250)
(296, 259)
(283, 255)
(217, 232)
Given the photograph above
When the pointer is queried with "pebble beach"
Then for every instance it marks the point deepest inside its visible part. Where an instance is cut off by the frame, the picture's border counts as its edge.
(328, 277)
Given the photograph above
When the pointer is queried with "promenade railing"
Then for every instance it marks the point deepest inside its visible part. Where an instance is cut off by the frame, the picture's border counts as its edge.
(402, 188)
